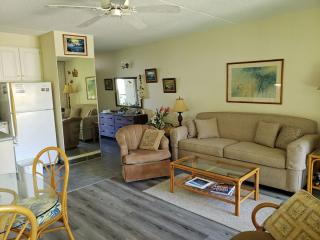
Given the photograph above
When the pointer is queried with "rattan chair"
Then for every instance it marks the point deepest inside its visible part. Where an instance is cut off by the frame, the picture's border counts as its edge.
(10, 228)
(57, 176)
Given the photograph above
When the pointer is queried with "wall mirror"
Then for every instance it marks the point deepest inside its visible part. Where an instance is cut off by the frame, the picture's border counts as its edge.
(127, 92)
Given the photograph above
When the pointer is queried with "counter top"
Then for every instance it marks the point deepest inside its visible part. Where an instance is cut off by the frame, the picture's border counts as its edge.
(5, 137)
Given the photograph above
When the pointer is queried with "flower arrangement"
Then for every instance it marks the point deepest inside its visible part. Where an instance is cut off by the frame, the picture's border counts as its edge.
(158, 119)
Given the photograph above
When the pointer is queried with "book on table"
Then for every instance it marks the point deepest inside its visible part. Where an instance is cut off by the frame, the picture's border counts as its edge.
(211, 186)
(198, 182)
(222, 189)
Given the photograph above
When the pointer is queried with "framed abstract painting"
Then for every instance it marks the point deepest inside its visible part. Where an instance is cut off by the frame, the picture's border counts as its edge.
(255, 81)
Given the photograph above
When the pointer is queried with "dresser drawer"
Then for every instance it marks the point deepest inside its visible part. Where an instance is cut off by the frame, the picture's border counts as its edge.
(124, 120)
(107, 133)
(107, 125)
(107, 119)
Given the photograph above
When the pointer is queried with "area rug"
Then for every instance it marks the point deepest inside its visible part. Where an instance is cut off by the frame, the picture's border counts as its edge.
(213, 209)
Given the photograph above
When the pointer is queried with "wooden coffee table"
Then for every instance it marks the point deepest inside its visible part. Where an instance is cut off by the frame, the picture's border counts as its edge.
(219, 171)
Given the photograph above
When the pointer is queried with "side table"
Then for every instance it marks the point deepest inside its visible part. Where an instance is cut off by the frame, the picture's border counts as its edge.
(312, 159)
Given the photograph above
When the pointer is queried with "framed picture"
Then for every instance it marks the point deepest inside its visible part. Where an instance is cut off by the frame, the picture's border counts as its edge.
(108, 84)
(75, 45)
(151, 75)
(91, 88)
(169, 85)
(255, 81)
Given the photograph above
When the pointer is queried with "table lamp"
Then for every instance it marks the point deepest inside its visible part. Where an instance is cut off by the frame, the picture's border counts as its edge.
(67, 90)
(180, 107)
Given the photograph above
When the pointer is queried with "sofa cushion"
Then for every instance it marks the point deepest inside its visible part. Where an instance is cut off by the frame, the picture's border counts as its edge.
(255, 153)
(191, 126)
(207, 128)
(267, 133)
(287, 135)
(210, 146)
(75, 112)
(141, 156)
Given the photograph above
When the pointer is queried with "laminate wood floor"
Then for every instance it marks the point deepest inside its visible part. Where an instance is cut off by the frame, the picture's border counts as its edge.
(103, 207)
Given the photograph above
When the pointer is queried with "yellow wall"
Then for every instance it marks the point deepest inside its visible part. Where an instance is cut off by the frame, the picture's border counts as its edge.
(198, 61)
(19, 40)
(50, 73)
(86, 68)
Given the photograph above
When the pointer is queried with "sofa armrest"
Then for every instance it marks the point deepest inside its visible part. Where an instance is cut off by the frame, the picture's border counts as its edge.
(176, 135)
(164, 143)
(298, 150)
(122, 144)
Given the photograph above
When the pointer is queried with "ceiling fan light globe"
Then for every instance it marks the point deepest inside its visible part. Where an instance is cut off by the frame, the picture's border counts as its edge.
(116, 12)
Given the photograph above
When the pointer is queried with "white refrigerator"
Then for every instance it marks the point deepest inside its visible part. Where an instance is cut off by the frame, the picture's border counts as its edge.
(28, 108)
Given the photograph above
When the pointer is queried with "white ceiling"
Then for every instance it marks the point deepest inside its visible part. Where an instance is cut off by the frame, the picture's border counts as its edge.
(31, 17)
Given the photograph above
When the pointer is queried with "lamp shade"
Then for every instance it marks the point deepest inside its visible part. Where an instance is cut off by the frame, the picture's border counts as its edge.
(180, 106)
(68, 89)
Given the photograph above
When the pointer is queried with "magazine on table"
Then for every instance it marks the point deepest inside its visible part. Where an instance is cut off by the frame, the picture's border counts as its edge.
(198, 182)
(222, 189)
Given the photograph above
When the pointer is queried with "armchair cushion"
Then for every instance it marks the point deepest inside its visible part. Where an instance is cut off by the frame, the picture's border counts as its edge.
(151, 139)
(141, 156)
(297, 218)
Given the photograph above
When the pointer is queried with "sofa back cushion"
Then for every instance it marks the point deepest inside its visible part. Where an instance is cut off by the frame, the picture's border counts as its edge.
(242, 126)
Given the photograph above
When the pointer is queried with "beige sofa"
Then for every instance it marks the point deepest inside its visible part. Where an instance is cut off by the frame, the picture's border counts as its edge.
(88, 113)
(282, 169)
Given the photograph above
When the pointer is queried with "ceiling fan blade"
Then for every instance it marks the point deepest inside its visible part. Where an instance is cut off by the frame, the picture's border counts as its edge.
(105, 3)
(134, 22)
(91, 21)
(73, 6)
(158, 9)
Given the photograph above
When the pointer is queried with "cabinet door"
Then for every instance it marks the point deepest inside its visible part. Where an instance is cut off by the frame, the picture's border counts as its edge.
(10, 64)
(30, 64)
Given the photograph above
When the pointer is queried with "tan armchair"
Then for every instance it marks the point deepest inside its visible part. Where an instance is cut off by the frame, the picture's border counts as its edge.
(139, 164)
(71, 131)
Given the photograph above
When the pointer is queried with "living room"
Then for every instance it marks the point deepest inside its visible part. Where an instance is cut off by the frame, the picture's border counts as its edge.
(186, 60)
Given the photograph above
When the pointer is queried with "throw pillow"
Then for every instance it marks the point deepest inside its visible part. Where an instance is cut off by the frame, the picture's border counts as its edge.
(287, 135)
(75, 112)
(191, 126)
(266, 133)
(207, 128)
(151, 139)
(297, 218)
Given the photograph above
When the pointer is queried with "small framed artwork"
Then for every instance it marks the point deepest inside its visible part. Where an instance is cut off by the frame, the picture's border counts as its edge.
(75, 45)
(151, 75)
(91, 88)
(169, 85)
(108, 84)
(255, 81)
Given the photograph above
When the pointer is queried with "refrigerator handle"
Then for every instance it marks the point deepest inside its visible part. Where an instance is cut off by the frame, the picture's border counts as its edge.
(13, 116)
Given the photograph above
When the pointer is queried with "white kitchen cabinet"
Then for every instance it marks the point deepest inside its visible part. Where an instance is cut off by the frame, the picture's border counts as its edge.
(10, 61)
(19, 64)
(30, 64)
(7, 159)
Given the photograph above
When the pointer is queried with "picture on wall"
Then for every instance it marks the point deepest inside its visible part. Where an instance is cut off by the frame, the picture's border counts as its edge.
(255, 81)
(108, 84)
(151, 75)
(75, 45)
(91, 88)
(169, 85)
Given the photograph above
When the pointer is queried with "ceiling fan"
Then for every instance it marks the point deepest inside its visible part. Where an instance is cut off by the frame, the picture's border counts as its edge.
(119, 8)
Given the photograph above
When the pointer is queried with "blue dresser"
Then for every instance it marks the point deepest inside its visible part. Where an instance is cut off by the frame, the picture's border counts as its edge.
(111, 122)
